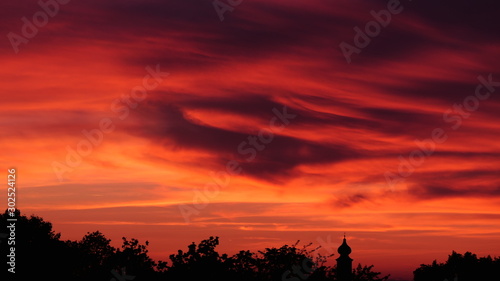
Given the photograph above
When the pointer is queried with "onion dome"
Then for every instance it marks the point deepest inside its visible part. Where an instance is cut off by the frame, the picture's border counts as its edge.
(344, 249)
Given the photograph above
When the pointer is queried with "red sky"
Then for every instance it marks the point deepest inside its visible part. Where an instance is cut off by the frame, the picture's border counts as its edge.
(319, 176)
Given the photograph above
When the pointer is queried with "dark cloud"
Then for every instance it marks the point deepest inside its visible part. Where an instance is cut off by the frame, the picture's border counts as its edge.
(276, 160)
(439, 192)
(459, 16)
(349, 200)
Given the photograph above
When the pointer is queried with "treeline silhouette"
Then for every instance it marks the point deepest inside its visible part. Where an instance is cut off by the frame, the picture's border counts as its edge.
(41, 254)
(466, 267)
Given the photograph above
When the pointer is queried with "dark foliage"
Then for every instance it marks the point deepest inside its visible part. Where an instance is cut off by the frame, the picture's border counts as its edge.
(466, 267)
(39, 253)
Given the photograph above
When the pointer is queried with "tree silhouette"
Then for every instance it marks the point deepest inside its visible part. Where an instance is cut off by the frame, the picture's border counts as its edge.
(466, 267)
(37, 247)
(94, 255)
(244, 265)
(200, 261)
(41, 254)
(288, 263)
(134, 257)
(365, 273)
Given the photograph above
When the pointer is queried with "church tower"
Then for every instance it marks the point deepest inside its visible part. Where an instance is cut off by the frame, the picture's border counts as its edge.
(344, 262)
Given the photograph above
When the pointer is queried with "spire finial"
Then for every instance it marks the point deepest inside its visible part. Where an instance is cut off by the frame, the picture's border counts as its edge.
(344, 235)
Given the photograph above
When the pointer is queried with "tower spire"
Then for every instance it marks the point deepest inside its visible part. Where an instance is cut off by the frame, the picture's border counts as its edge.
(344, 262)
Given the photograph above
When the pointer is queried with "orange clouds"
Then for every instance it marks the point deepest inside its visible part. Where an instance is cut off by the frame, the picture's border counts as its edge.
(321, 175)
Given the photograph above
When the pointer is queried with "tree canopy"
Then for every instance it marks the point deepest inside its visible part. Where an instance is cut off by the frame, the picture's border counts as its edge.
(466, 267)
(40, 253)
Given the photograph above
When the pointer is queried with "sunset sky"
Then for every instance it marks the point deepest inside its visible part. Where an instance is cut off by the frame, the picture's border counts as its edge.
(399, 147)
